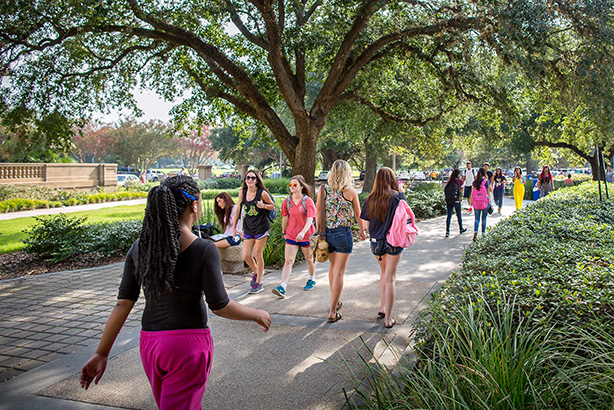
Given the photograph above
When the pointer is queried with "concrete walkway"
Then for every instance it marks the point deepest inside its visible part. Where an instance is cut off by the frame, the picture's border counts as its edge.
(70, 209)
(50, 325)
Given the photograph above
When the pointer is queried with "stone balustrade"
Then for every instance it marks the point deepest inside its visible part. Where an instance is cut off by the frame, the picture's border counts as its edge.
(67, 176)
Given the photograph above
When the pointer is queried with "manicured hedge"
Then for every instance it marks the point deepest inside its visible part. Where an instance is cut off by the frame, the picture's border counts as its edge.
(77, 198)
(556, 256)
(526, 323)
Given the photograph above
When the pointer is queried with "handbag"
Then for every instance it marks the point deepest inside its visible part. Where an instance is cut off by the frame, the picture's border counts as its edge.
(318, 240)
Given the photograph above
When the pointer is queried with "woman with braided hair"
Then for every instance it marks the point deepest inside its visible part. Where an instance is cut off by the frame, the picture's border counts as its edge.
(178, 271)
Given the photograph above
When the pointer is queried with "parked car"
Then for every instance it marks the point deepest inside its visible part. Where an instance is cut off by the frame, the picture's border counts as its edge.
(323, 176)
(128, 170)
(124, 178)
(419, 176)
(155, 175)
(275, 175)
(362, 175)
(229, 174)
(404, 175)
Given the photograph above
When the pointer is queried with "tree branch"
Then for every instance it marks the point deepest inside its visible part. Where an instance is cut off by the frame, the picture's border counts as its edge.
(380, 111)
(236, 19)
(578, 151)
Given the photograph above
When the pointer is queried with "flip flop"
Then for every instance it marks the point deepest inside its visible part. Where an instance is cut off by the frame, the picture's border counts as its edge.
(392, 324)
(381, 314)
(337, 317)
(339, 304)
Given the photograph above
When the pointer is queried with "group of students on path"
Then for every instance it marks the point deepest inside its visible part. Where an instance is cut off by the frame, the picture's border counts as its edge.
(479, 187)
(179, 272)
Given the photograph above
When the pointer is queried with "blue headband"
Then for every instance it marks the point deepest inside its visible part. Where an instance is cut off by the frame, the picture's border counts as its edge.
(192, 197)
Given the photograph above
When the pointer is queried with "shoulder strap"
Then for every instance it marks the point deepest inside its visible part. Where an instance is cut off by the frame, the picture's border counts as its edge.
(304, 201)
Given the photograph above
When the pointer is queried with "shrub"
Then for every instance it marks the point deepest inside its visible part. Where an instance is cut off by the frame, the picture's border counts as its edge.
(56, 237)
(22, 204)
(426, 200)
(220, 183)
(112, 238)
(62, 237)
(277, 186)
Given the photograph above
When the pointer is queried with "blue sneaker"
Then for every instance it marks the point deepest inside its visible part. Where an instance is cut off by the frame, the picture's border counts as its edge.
(279, 291)
(253, 281)
(310, 285)
(257, 288)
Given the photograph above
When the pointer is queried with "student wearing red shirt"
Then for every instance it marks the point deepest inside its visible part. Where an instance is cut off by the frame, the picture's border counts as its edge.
(298, 212)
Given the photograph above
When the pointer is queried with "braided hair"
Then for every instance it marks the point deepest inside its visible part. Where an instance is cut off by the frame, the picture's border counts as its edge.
(159, 241)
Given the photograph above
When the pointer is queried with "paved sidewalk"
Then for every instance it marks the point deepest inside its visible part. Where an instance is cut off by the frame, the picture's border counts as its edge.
(50, 325)
(70, 209)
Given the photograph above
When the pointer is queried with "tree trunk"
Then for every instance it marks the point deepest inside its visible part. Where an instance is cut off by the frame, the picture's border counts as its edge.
(304, 162)
(370, 166)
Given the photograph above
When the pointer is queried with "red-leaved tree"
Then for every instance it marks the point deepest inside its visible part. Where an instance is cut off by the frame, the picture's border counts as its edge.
(92, 143)
(195, 147)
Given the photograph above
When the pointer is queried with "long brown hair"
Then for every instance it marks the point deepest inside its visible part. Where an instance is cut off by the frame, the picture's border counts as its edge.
(223, 215)
(384, 188)
(305, 189)
(259, 183)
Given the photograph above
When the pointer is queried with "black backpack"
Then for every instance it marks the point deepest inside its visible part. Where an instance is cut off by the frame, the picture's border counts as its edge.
(451, 192)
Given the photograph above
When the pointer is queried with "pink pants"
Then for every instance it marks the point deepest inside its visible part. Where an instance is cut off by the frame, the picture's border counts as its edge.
(177, 364)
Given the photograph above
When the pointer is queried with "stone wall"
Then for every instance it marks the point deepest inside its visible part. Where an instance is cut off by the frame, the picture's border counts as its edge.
(67, 176)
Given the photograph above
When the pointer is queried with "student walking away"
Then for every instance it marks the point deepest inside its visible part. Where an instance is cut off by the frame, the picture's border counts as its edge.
(341, 210)
(499, 181)
(452, 192)
(377, 213)
(489, 174)
(609, 175)
(569, 181)
(545, 182)
(178, 272)
(226, 212)
(518, 181)
(468, 178)
(298, 212)
(255, 203)
(480, 198)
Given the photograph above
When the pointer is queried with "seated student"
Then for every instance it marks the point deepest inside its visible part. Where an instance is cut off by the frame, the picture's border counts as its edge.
(569, 181)
(226, 212)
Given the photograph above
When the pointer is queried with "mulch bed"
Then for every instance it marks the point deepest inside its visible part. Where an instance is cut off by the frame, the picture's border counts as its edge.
(20, 264)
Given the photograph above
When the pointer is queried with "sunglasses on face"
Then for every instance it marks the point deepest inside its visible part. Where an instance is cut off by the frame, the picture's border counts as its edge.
(292, 184)
(250, 177)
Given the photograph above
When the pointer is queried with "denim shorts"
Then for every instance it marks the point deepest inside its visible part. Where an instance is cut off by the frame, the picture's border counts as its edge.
(340, 239)
(376, 248)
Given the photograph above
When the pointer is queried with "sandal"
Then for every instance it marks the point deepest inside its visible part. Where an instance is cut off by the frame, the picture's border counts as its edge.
(337, 318)
(381, 314)
(392, 324)
(339, 304)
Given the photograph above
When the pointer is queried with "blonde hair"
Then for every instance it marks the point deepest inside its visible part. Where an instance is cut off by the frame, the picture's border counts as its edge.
(340, 177)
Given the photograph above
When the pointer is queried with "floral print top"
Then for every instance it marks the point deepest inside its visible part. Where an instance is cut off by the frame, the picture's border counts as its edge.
(339, 211)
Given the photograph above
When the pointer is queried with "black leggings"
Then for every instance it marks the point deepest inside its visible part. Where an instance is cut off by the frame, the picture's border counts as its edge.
(454, 206)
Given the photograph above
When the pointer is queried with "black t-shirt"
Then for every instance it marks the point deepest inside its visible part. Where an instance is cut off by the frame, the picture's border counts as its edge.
(255, 220)
(378, 229)
(198, 272)
(499, 179)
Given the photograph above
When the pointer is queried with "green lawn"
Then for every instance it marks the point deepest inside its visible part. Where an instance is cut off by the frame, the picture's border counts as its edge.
(11, 231)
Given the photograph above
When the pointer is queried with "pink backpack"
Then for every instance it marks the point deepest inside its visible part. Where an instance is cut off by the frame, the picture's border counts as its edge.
(403, 230)
(479, 197)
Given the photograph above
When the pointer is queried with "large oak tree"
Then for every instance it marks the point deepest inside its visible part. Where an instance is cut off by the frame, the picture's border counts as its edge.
(76, 55)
